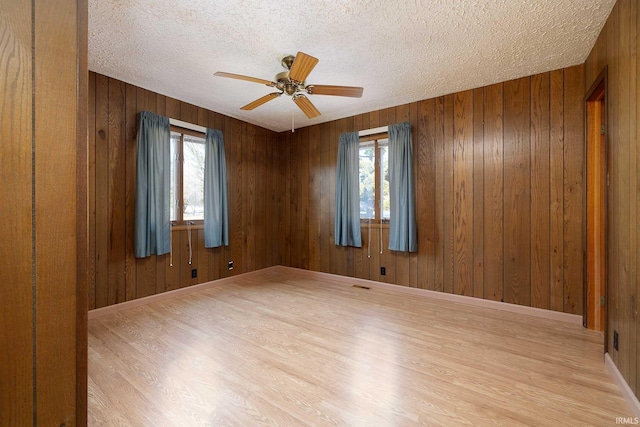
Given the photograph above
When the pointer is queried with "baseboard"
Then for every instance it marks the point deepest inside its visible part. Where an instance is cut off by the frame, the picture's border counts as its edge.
(461, 299)
(628, 394)
(99, 312)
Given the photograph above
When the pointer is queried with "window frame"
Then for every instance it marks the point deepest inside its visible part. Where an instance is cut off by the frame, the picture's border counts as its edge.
(180, 222)
(378, 178)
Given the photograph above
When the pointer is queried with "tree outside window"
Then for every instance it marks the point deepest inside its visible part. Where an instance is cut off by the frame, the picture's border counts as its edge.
(374, 180)
(187, 176)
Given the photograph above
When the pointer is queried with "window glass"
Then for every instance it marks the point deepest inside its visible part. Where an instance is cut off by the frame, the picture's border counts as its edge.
(175, 181)
(367, 180)
(193, 178)
(186, 198)
(383, 147)
(375, 202)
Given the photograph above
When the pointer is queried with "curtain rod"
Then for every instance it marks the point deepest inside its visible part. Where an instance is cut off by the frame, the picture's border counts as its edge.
(187, 125)
(374, 131)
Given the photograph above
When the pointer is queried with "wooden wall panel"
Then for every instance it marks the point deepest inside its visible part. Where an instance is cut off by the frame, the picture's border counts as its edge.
(332, 141)
(101, 174)
(295, 187)
(91, 196)
(574, 190)
(43, 173)
(497, 171)
(463, 191)
(425, 194)
(249, 190)
(116, 192)
(326, 220)
(315, 195)
(56, 44)
(478, 193)
(261, 198)
(115, 275)
(16, 321)
(540, 191)
(131, 149)
(413, 257)
(494, 194)
(517, 192)
(303, 198)
(556, 189)
(236, 205)
(634, 193)
(448, 196)
(439, 214)
(615, 315)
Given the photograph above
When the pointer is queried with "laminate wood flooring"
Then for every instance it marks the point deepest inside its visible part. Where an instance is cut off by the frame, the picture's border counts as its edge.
(280, 349)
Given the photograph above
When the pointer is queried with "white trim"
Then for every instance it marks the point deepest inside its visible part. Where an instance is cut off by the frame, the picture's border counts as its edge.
(461, 299)
(187, 125)
(373, 131)
(627, 393)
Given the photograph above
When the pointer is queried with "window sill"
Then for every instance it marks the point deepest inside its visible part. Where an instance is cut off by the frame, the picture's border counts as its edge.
(185, 227)
(376, 225)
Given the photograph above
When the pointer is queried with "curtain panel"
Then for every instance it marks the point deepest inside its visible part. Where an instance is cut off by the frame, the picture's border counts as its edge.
(216, 216)
(347, 215)
(402, 223)
(152, 229)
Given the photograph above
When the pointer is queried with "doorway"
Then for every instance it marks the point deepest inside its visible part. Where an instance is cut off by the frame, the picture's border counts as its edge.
(596, 285)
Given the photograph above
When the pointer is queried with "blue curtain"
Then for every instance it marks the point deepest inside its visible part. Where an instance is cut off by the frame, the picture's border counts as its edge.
(347, 218)
(216, 217)
(402, 224)
(152, 232)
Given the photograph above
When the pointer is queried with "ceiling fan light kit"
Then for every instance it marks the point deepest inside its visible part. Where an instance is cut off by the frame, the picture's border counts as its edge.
(292, 83)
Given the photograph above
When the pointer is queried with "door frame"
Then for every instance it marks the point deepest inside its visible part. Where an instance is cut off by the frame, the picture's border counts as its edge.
(593, 95)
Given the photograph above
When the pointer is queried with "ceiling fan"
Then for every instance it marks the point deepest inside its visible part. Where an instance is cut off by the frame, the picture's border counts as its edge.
(292, 82)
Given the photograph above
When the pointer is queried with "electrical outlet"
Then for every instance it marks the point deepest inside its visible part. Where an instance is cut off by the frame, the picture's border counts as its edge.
(230, 266)
(615, 340)
(194, 273)
(383, 271)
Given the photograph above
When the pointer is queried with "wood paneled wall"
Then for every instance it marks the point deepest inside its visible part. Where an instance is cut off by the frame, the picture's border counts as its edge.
(255, 177)
(616, 49)
(499, 183)
(42, 252)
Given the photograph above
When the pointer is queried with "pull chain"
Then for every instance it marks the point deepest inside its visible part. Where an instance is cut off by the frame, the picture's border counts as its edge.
(369, 246)
(381, 196)
(189, 223)
(171, 249)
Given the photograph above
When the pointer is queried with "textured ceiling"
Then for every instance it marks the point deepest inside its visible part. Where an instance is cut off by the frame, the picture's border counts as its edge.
(399, 51)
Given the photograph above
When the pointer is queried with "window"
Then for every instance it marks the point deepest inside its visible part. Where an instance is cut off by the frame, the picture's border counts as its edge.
(187, 176)
(374, 179)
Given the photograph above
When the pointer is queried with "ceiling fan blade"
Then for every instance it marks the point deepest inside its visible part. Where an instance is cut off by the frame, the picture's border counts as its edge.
(352, 91)
(258, 102)
(306, 106)
(302, 66)
(247, 78)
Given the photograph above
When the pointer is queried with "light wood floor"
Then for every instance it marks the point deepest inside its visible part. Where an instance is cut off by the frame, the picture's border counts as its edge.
(280, 350)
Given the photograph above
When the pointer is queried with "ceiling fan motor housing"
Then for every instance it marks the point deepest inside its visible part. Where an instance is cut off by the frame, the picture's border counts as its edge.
(285, 84)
